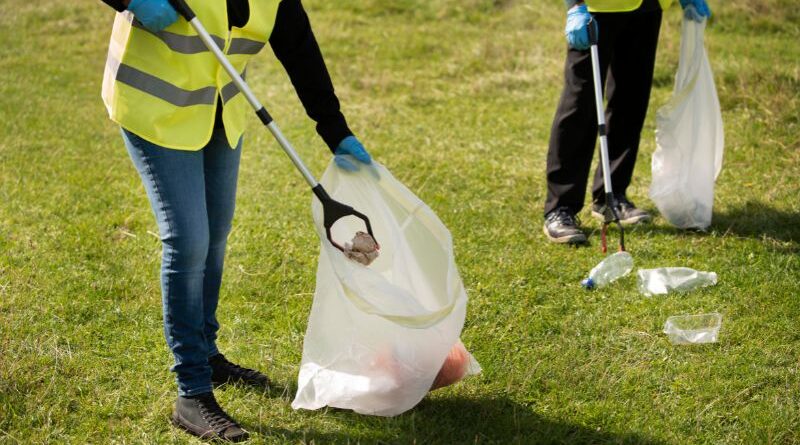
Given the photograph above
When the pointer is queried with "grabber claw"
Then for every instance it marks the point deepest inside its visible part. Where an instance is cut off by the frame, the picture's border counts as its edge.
(604, 237)
(610, 216)
(334, 210)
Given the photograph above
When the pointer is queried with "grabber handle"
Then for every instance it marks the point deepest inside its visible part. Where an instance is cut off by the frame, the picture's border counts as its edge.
(183, 9)
(332, 209)
(610, 214)
(591, 27)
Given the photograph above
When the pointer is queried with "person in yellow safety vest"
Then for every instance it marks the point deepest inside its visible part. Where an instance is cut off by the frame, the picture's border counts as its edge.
(627, 38)
(182, 121)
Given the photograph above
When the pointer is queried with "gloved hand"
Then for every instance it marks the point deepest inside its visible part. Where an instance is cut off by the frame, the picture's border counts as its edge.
(696, 10)
(155, 15)
(350, 146)
(577, 30)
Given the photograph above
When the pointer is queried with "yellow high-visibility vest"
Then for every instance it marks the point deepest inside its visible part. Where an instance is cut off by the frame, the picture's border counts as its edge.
(165, 86)
(620, 5)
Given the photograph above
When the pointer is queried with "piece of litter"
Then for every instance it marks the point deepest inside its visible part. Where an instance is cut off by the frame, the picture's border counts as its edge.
(673, 279)
(454, 368)
(612, 268)
(362, 248)
(693, 329)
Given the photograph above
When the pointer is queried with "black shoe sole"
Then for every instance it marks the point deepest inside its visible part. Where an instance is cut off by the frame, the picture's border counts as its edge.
(627, 222)
(209, 436)
(578, 238)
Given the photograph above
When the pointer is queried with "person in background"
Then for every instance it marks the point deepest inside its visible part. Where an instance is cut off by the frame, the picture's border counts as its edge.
(627, 39)
(182, 122)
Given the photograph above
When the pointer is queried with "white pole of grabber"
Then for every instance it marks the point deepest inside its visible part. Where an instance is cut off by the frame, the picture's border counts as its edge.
(601, 120)
(248, 94)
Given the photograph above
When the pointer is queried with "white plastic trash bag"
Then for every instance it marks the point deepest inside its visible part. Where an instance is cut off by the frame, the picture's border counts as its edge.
(378, 335)
(689, 138)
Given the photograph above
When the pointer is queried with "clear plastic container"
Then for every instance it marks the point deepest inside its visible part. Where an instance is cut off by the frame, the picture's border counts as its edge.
(612, 268)
(693, 329)
(673, 279)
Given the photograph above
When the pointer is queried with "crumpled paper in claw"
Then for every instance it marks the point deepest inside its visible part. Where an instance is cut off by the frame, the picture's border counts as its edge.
(362, 248)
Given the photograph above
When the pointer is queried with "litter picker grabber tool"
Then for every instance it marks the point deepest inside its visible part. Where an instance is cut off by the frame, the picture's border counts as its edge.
(610, 209)
(332, 209)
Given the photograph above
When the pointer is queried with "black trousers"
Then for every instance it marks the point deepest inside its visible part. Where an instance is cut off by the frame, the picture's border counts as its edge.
(627, 47)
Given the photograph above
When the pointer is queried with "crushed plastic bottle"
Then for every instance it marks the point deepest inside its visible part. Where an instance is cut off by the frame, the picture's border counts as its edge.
(673, 279)
(612, 268)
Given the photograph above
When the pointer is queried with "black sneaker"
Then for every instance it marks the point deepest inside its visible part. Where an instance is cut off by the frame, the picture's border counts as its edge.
(202, 416)
(561, 226)
(627, 211)
(223, 371)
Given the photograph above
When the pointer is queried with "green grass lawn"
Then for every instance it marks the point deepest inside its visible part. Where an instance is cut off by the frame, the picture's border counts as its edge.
(456, 98)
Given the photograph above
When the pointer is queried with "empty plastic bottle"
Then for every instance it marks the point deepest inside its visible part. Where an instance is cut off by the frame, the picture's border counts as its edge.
(610, 269)
(669, 279)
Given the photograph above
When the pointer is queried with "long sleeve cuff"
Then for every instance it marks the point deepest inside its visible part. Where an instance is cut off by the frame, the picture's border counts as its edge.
(333, 132)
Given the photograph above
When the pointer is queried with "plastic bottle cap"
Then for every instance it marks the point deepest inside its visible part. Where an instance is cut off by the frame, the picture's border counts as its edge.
(588, 283)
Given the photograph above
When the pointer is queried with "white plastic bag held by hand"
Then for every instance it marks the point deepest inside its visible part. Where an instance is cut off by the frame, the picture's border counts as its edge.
(378, 335)
(689, 138)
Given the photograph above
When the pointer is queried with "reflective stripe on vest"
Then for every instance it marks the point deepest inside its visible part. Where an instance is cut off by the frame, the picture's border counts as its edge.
(164, 86)
(620, 5)
(245, 46)
(164, 90)
(182, 44)
(230, 90)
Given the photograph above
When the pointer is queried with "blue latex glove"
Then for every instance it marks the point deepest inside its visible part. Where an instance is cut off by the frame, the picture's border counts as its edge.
(155, 15)
(350, 146)
(577, 30)
(696, 10)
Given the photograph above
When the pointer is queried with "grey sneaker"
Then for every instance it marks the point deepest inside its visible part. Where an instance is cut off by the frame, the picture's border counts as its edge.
(202, 416)
(561, 226)
(627, 211)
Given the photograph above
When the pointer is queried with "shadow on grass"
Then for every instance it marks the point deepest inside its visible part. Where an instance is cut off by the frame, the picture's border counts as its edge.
(756, 220)
(453, 421)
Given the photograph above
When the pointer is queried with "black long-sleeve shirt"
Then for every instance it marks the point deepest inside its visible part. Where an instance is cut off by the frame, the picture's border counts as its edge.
(294, 44)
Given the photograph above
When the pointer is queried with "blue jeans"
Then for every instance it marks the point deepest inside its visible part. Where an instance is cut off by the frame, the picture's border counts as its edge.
(192, 194)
